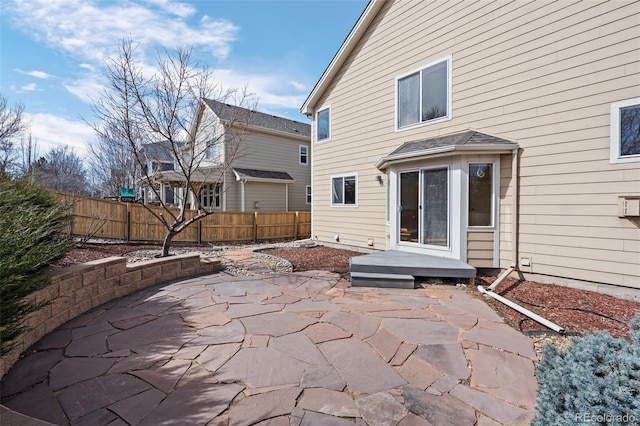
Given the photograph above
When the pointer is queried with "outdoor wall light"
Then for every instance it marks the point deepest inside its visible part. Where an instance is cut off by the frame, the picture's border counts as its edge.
(379, 179)
(256, 205)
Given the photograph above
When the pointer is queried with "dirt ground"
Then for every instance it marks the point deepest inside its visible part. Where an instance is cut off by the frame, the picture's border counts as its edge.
(577, 311)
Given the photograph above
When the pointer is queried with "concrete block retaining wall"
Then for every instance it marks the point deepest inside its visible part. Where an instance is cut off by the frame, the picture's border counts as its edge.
(76, 289)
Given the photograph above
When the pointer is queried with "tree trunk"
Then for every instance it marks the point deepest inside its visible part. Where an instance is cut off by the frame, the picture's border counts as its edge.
(166, 244)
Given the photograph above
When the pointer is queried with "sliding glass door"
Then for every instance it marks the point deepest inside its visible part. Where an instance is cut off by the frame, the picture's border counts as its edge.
(424, 206)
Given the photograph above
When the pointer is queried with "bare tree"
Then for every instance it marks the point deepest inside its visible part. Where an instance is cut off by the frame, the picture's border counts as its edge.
(12, 125)
(62, 170)
(112, 163)
(164, 108)
(29, 152)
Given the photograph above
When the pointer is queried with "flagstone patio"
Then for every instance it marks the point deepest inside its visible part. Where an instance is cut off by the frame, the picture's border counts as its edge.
(294, 349)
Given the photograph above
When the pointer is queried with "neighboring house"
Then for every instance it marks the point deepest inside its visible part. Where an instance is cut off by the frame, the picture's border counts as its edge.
(497, 133)
(251, 161)
(159, 157)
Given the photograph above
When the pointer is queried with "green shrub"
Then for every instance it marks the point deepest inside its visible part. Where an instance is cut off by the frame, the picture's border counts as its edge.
(32, 225)
(596, 380)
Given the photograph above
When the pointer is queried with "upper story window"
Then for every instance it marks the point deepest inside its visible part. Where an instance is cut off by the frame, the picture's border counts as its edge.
(343, 190)
(625, 131)
(161, 166)
(425, 95)
(304, 154)
(214, 149)
(323, 124)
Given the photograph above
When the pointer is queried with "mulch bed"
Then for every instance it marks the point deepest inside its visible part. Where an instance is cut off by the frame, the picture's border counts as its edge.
(577, 311)
(89, 252)
(316, 258)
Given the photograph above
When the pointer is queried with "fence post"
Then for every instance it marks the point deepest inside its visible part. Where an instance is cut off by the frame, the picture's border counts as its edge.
(128, 230)
(255, 227)
(295, 234)
(200, 231)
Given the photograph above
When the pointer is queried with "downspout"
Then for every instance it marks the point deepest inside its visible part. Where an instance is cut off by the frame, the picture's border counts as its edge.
(514, 257)
(286, 197)
(242, 195)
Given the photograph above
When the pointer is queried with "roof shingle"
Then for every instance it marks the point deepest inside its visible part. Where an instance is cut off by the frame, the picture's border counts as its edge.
(228, 112)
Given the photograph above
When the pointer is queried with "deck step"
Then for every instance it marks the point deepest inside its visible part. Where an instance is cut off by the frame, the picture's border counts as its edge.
(417, 265)
(367, 279)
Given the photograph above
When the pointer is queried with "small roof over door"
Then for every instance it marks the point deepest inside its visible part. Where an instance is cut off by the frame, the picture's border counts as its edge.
(467, 142)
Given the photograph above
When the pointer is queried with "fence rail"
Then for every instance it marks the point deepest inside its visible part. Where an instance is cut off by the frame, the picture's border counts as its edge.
(133, 222)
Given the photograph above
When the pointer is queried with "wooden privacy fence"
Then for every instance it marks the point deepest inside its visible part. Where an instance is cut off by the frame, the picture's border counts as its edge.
(133, 222)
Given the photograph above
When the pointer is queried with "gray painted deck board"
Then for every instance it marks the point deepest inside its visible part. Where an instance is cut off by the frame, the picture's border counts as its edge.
(418, 265)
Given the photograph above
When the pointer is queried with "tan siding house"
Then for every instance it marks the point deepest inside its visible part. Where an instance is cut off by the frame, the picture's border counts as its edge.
(251, 161)
(433, 116)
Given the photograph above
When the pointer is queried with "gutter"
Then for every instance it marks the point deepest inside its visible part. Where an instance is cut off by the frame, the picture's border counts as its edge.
(514, 258)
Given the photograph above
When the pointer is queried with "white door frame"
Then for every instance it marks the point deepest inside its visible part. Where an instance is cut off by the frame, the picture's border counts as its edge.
(458, 206)
(457, 241)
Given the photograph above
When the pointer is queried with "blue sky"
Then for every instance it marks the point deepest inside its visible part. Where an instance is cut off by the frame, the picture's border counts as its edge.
(52, 52)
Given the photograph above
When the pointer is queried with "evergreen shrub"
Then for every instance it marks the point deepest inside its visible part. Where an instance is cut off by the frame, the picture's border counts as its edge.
(32, 236)
(596, 380)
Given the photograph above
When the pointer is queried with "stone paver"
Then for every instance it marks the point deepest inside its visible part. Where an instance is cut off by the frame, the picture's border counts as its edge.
(278, 349)
(264, 406)
(327, 401)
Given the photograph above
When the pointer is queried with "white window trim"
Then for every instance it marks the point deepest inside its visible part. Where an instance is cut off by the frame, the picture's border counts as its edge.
(219, 188)
(615, 156)
(308, 195)
(342, 206)
(494, 207)
(328, 108)
(300, 155)
(447, 117)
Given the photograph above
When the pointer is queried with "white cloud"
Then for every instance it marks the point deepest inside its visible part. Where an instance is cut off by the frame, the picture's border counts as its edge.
(271, 92)
(297, 86)
(37, 74)
(182, 10)
(29, 87)
(92, 29)
(86, 89)
(53, 131)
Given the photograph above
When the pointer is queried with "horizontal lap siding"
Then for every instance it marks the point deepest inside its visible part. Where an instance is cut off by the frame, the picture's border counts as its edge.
(263, 151)
(480, 249)
(270, 196)
(541, 73)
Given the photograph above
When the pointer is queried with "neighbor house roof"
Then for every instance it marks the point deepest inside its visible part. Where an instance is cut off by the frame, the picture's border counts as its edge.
(340, 57)
(199, 175)
(262, 175)
(160, 151)
(467, 141)
(228, 112)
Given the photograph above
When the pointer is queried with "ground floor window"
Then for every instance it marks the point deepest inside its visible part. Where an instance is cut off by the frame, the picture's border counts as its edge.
(481, 199)
(210, 196)
(343, 190)
(308, 193)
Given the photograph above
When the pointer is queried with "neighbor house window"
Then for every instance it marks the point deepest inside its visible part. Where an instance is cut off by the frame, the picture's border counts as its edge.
(323, 124)
(425, 95)
(210, 196)
(343, 190)
(213, 149)
(625, 131)
(304, 154)
(481, 194)
(308, 193)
